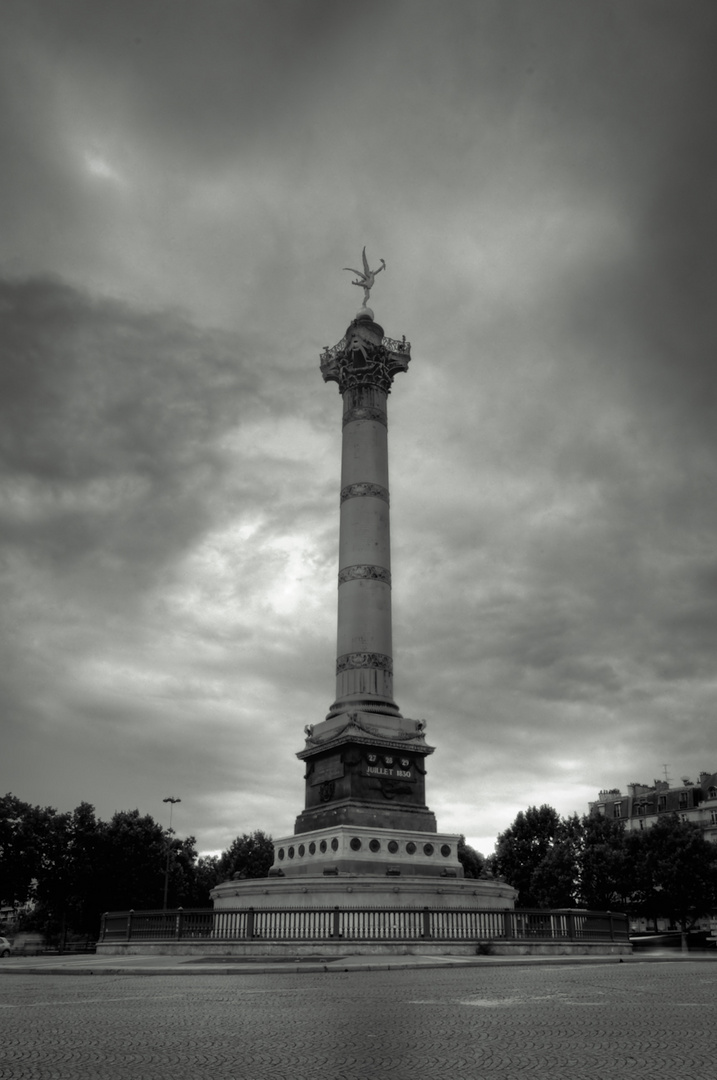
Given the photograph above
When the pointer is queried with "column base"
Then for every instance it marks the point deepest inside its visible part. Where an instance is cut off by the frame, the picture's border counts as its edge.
(366, 814)
(366, 852)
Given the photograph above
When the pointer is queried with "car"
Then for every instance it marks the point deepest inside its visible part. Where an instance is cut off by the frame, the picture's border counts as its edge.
(5, 947)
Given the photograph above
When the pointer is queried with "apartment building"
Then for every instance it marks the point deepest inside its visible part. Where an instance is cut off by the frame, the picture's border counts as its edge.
(640, 807)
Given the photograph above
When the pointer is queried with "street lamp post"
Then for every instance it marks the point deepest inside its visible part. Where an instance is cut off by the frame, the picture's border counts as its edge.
(170, 832)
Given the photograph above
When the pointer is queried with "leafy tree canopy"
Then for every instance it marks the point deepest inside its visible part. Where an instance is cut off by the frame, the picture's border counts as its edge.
(69, 868)
(521, 849)
(667, 870)
(473, 863)
(250, 856)
(673, 871)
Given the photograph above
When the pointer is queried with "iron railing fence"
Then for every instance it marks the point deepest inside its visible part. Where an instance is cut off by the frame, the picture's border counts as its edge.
(363, 924)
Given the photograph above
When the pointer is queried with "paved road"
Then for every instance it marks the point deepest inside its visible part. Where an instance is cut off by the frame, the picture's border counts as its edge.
(582, 1022)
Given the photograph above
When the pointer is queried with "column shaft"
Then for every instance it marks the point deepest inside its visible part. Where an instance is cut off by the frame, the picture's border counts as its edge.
(364, 663)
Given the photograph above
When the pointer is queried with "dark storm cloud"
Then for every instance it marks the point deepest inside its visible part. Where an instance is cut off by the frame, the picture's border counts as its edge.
(629, 407)
(657, 342)
(212, 80)
(109, 420)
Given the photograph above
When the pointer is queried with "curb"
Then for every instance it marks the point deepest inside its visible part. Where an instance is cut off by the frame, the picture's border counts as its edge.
(340, 967)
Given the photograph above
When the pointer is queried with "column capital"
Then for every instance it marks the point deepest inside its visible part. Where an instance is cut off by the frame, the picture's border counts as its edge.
(364, 357)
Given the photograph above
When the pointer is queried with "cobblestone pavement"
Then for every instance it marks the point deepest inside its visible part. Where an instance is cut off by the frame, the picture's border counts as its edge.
(578, 1022)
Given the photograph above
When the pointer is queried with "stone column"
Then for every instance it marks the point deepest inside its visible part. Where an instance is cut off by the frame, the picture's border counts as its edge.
(364, 654)
(365, 761)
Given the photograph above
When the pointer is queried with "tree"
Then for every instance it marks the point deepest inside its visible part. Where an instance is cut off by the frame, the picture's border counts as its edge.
(673, 871)
(604, 866)
(472, 861)
(522, 848)
(182, 872)
(206, 876)
(88, 866)
(25, 843)
(559, 862)
(66, 894)
(554, 882)
(666, 871)
(71, 867)
(250, 855)
(132, 862)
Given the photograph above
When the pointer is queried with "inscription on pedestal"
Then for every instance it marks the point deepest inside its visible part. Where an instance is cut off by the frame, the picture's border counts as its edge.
(331, 768)
(397, 774)
(392, 773)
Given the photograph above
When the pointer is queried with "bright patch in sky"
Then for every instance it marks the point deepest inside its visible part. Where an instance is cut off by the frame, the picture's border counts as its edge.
(100, 167)
(288, 588)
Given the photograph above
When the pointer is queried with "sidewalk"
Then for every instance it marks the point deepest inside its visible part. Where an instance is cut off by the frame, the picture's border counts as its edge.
(231, 965)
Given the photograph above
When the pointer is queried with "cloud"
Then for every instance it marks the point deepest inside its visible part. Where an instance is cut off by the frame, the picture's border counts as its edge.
(181, 190)
(107, 443)
(164, 518)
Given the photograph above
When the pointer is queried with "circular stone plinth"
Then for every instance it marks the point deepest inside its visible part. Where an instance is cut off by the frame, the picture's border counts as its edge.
(364, 891)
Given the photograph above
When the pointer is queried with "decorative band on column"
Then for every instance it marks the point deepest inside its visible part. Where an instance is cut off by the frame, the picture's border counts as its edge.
(365, 412)
(365, 572)
(351, 661)
(356, 491)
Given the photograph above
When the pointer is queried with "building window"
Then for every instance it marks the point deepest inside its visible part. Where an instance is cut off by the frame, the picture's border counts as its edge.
(617, 809)
(683, 799)
(642, 824)
(641, 809)
(713, 817)
(661, 802)
(712, 793)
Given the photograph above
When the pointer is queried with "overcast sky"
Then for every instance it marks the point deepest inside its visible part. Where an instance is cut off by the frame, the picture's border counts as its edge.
(182, 183)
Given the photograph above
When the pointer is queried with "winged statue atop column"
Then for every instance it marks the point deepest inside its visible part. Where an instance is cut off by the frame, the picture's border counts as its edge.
(365, 277)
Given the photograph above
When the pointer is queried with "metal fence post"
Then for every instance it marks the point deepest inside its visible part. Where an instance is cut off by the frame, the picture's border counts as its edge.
(336, 931)
(571, 926)
(426, 923)
(178, 923)
(507, 924)
(129, 923)
(250, 923)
